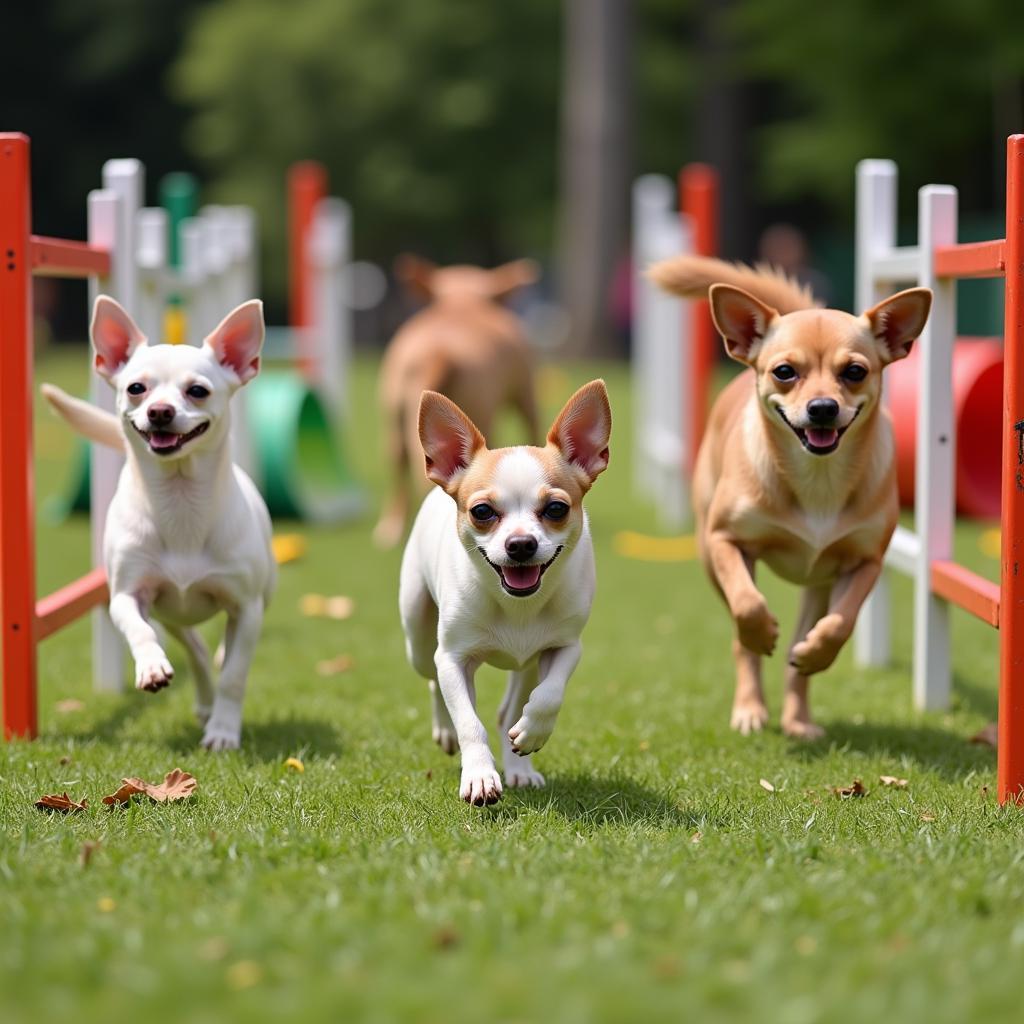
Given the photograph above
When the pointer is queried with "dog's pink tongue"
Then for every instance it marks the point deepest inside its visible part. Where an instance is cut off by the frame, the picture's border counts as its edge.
(520, 577)
(160, 440)
(822, 437)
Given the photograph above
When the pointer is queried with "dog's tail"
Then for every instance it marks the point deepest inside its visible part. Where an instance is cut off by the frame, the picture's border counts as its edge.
(94, 423)
(692, 276)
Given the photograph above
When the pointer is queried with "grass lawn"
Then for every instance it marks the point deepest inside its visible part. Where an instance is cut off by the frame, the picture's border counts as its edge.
(654, 879)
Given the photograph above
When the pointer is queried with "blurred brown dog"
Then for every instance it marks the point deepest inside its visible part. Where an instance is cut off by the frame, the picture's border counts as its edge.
(465, 345)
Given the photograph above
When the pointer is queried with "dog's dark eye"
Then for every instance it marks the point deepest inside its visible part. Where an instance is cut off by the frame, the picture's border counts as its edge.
(483, 513)
(136, 388)
(556, 510)
(784, 372)
(854, 373)
(198, 391)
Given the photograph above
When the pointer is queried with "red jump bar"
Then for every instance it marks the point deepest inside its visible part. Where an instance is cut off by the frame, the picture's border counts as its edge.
(57, 257)
(967, 590)
(71, 602)
(972, 259)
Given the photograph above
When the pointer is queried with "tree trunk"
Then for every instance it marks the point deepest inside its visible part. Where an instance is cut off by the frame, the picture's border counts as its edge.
(596, 167)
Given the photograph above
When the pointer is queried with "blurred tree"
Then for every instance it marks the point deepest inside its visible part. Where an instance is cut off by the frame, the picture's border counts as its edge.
(936, 86)
(597, 165)
(437, 121)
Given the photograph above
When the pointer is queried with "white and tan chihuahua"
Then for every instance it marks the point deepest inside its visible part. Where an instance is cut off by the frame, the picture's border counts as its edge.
(499, 570)
(797, 467)
(187, 533)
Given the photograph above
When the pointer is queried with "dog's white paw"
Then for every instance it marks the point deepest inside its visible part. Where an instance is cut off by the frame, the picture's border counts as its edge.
(224, 729)
(152, 670)
(445, 738)
(480, 785)
(748, 717)
(531, 732)
(523, 776)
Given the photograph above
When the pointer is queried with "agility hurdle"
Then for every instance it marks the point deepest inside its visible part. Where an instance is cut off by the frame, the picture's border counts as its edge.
(926, 552)
(673, 356)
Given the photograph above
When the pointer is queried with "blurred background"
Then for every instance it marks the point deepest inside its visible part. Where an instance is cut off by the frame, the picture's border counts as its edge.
(479, 132)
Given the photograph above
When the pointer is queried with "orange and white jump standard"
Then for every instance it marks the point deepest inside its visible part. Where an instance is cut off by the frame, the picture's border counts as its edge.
(107, 260)
(926, 552)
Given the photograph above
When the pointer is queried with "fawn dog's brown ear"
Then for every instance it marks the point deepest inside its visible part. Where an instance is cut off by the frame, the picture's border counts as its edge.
(741, 319)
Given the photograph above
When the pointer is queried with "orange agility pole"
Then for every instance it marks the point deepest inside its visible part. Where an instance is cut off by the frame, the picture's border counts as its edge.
(698, 202)
(24, 622)
(1011, 648)
(307, 186)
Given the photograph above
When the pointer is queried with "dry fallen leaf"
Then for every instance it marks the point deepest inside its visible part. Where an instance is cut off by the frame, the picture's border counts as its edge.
(927, 817)
(106, 905)
(988, 736)
(856, 788)
(64, 707)
(334, 666)
(89, 847)
(177, 785)
(765, 784)
(891, 780)
(696, 837)
(65, 760)
(60, 802)
(445, 937)
(295, 764)
(129, 788)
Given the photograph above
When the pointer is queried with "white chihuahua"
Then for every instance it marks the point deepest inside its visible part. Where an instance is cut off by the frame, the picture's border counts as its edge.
(499, 569)
(187, 533)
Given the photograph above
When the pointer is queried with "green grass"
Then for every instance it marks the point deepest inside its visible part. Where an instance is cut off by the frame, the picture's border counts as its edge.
(653, 880)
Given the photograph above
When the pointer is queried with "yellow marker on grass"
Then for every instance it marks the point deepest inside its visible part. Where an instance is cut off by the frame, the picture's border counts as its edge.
(655, 549)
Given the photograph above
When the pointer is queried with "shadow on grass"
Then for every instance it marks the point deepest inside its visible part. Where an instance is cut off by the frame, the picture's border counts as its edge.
(607, 800)
(948, 754)
(272, 740)
(979, 699)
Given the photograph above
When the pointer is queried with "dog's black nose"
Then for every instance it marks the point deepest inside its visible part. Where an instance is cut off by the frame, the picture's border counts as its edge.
(160, 415)
(522, 548)
(822, 410)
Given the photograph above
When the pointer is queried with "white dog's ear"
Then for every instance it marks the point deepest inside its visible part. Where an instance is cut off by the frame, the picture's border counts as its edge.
(897, 321)
(237, 339)
(115, 336)
(741, 319)
(449, 437)
(583, 429)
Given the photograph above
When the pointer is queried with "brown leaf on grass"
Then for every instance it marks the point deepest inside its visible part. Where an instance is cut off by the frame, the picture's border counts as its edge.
(318, 606)
(177, 785)
(129, 788)
(334, 666)
(855, 789)
(927, 817)
(445, 937)
(60, 802)
(765, 784)
(89, 847)
(893, 781)
(65, 707)
(988, 736)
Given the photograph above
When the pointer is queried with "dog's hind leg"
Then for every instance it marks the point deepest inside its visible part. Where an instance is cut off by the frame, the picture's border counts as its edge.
(199, 666)
(224, 729)
(518, 769)
(796, 709)
(388, 531)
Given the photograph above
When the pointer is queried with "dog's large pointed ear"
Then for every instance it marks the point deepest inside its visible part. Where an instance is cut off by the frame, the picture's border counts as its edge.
(583, 428)
(449, 437)
(115, 336)
(236, 341)
(897, 321)
(509, 277)
(741, 319)
(415, 274)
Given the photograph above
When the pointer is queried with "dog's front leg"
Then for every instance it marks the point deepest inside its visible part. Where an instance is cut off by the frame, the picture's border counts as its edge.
(756, 628)
(826, 637)
(153, 669)
(534, 729)
(224, 729)
(480, 783)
